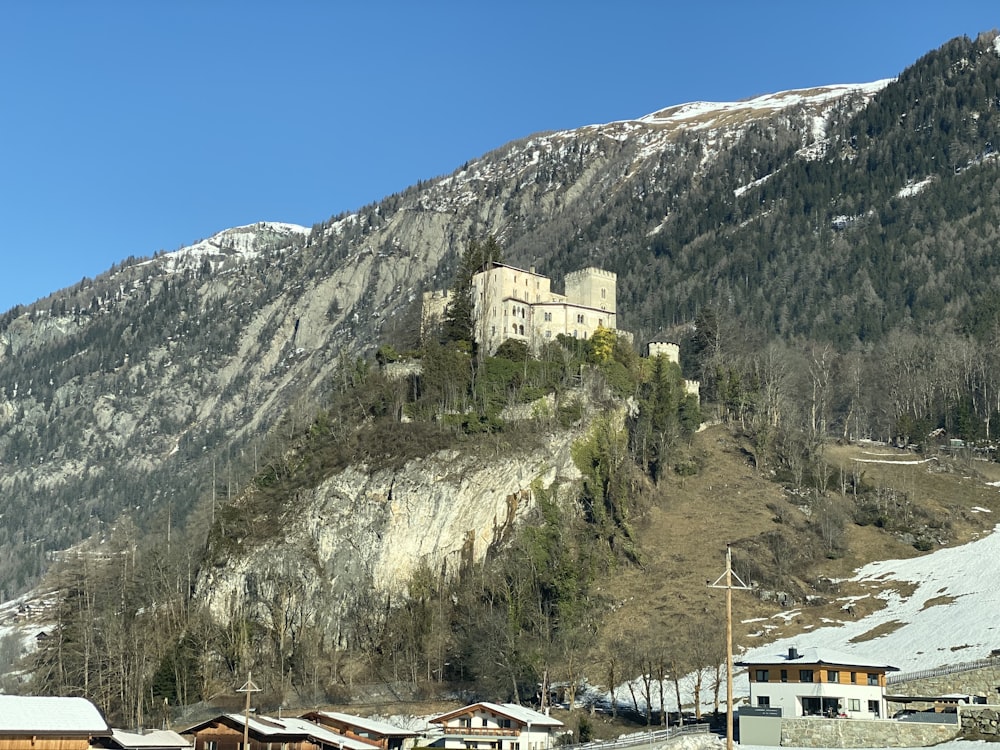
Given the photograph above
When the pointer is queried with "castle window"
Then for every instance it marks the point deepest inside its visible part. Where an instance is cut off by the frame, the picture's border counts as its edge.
(604, 293)
(521, 331)
(548, 334)
(548, 316)
(579, 318)
(514, 327)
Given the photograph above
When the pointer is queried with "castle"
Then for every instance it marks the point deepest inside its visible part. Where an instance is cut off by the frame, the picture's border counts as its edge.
(511, 303)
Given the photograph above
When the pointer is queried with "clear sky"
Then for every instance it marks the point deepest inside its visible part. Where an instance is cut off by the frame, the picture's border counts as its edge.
(130, 127)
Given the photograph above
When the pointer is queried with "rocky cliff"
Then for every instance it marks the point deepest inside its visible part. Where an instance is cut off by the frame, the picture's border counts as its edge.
(360, 535)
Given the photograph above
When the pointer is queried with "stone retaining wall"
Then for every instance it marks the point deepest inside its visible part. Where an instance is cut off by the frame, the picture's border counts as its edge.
(984, 681)
(981, 721)
(813, 732)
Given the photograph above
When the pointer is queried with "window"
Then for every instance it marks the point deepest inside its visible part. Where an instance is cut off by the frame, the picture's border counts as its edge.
(211, 745)
(854, 704)
(872, 678)
(873, 707)
(760, 675)
(548, 316)
(805, 675)
(548, 334)
(579, 318)
(832, 675)
(504, 723)
(520, 330)
(604, 293)
(763, 701)
(784, 675)
(465, 721)
(854, 678)
(485, 722)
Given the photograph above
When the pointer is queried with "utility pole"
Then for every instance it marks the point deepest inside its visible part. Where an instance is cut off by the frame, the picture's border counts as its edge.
(729, 575)
(248, 688)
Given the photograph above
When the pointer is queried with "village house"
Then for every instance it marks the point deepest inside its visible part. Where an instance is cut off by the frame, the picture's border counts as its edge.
(493, 726)
(226, 732)
(49, 723)
(380, 733)
(818, 682)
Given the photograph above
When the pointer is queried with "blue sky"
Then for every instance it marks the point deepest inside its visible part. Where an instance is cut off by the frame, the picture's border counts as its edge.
(128, 128)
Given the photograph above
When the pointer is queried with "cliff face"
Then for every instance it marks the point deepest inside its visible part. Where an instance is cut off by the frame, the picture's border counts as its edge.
(360, 536)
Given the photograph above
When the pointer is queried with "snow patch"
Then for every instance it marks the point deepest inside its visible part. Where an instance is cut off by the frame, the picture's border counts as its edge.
(912, 188)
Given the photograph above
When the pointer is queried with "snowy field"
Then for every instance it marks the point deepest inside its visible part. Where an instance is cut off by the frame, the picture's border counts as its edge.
(950, 617)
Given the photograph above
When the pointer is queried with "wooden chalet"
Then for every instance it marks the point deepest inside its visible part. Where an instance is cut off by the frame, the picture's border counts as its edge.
(495, 726)
(49, 723)
(381, 734)
(225, 732)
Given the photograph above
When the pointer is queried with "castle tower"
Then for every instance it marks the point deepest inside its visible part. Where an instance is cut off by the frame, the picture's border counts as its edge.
(594, 287)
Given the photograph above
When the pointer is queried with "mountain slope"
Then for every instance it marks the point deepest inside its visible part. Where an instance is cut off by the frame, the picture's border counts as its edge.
(836, 213)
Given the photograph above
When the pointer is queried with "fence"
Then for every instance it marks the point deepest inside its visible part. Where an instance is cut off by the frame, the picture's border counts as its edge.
(968, 666)
(641, 738)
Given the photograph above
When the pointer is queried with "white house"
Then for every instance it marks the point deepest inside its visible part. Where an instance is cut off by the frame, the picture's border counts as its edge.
(818, 682)
(494, 726)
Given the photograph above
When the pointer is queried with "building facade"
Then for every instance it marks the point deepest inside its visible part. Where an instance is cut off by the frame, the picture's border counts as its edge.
(511, 303)
(818, 682)
(494, 726)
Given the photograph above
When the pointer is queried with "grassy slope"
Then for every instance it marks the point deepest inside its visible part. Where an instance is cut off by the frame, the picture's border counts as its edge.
(684, 535)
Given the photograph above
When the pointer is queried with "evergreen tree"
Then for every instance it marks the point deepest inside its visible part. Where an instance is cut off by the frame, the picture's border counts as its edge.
(458, 316)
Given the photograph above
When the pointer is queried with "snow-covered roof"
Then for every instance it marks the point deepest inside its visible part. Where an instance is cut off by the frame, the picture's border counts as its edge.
(160, 739)
(38, 715)
(325, 735)
(510, 710)
(816, 655)
(369, 725)
(268, 726)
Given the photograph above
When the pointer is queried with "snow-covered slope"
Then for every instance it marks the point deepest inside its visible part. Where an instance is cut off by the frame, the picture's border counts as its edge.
(949, 617)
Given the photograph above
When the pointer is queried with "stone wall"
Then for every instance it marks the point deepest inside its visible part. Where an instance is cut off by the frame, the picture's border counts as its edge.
(813, 732)
(981, 721)
(982, 681)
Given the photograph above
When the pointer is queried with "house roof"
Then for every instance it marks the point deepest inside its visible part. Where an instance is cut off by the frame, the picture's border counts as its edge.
(327, 736)
(815, 655)
(510, 710)
(286, 728)
(369, 725)
(44, 715)
(263, 726)
(161, 739)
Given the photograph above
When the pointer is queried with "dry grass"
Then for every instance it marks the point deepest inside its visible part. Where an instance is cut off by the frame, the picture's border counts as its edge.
(683, 541)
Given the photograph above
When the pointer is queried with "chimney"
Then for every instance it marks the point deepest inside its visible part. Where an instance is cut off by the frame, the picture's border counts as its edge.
(792, 653)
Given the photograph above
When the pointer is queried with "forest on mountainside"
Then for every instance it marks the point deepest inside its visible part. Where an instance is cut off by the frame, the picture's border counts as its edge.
(836, 292)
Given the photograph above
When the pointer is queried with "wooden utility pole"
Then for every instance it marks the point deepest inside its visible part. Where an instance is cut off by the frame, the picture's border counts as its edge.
(729, 575)
(248, 688)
